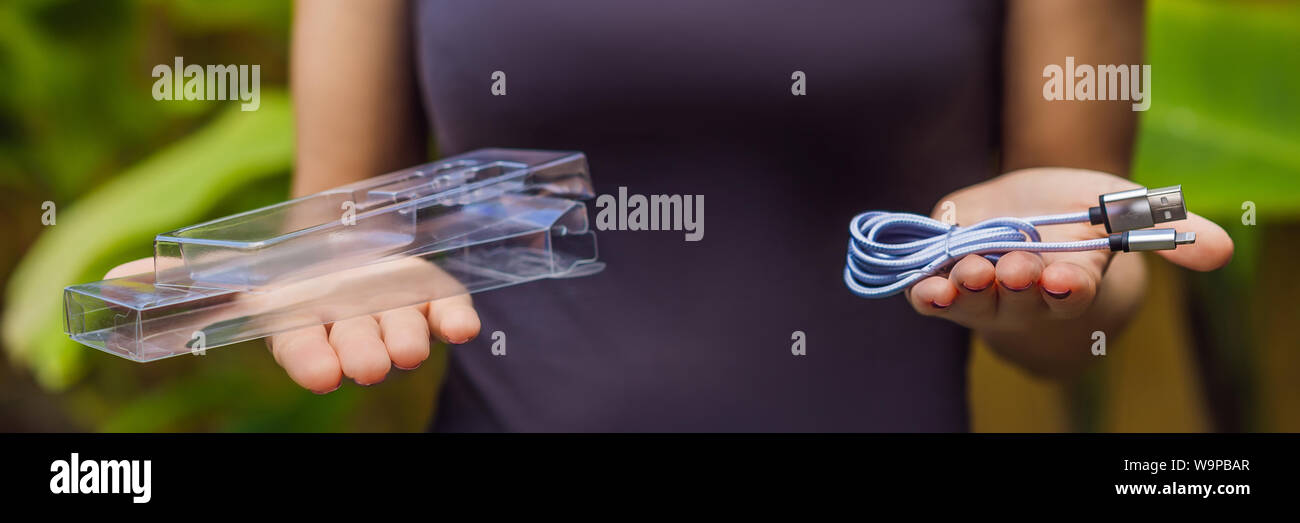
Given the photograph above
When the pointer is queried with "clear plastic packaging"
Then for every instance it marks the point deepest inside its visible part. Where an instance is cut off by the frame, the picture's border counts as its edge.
(483, 220)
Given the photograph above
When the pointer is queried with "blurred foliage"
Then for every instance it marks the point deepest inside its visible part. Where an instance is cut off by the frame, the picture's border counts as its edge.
(178, 186)
(75, 107)
(1224, 113)
(79, 127)
(1225, 123)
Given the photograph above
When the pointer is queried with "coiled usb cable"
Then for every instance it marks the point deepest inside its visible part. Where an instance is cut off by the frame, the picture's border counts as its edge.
(889, 252)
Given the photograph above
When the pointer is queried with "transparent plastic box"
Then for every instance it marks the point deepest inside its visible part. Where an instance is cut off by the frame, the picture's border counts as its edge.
(483, 220)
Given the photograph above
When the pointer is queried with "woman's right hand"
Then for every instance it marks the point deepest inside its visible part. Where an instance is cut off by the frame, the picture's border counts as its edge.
(365, 347)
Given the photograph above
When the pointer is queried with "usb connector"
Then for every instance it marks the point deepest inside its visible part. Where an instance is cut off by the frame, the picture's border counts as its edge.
(1127, 215)
(1139, 208)
(1150, 240)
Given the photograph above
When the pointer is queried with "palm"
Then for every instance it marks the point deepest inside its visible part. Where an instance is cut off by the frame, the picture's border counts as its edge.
(365, 347)
(1023, 286)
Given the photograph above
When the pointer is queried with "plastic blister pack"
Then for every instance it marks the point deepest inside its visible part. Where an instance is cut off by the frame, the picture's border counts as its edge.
(483, 220)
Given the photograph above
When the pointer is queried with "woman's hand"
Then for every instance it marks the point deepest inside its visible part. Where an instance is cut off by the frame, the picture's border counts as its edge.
(365, 347)
(1027, 303)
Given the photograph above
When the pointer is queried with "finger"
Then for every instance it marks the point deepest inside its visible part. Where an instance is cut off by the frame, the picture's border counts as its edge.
(453, 319)
(140, 266)
(1017, 274)
(406, 336)
(932, 296)
(972, 277)
(306, 356)
(1212, 250)
(1067, 288)
(362, 355)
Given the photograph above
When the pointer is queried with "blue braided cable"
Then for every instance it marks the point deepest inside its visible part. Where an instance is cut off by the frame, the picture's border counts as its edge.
(889, 252)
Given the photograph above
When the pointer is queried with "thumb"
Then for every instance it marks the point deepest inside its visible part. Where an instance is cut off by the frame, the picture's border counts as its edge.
(139, 266)
(1212, 250)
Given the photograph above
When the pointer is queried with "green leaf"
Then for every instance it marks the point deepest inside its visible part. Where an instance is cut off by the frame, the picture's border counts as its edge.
(176, 187)
(1223, 117)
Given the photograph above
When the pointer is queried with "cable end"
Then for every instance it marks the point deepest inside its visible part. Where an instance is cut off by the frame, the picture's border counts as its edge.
(1139, 208)
(1167, 204)
(1150, 240)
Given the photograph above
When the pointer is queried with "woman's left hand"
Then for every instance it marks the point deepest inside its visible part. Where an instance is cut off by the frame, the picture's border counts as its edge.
(1025, 291)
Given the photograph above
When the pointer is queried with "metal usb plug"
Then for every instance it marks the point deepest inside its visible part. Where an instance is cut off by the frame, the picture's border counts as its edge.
(1139, 208)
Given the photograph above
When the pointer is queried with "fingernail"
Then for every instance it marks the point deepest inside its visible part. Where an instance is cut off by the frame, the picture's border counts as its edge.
(1005, 286)
(937, 306)
(968, 287)
(417, 365)
(1057, 295)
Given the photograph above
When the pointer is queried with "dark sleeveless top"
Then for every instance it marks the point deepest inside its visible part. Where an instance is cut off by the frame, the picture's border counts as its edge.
(694, 97)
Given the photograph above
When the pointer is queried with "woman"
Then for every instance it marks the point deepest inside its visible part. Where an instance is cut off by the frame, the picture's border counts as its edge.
(903, 104)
